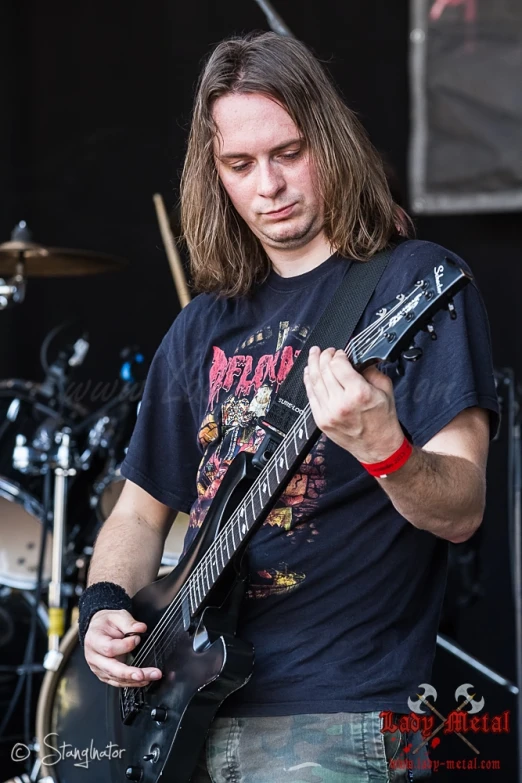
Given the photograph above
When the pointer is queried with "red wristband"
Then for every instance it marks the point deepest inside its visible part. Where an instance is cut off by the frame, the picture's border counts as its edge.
(393, 463)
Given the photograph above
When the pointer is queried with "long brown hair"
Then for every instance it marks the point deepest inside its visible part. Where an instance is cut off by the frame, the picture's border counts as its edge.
(360, 214)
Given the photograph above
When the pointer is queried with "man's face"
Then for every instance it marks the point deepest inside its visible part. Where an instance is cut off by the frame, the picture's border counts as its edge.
(266, 169)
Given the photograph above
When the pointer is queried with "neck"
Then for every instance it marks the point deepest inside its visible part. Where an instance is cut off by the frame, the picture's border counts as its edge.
(297, 261)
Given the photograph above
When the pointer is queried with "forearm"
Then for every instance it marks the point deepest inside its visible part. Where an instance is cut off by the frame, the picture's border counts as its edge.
(442, 494)
(127, 551)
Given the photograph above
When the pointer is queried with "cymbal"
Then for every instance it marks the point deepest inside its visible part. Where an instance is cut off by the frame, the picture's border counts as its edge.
(40, 261)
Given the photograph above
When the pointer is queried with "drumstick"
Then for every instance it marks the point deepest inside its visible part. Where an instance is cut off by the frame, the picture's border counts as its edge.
(172, 252)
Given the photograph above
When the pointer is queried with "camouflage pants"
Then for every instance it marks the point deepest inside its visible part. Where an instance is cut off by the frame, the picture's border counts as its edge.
(336, 748)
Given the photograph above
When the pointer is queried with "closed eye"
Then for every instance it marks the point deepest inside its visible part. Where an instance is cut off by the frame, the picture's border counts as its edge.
(285, 155)
(239, 167)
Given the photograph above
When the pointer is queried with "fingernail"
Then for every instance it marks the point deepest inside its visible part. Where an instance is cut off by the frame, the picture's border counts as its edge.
(155, 675)
(136, 676)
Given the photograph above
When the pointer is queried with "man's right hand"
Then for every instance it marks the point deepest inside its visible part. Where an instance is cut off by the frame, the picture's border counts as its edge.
(106, 647)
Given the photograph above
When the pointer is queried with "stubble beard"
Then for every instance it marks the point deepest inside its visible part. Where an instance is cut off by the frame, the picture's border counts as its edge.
(298, 238)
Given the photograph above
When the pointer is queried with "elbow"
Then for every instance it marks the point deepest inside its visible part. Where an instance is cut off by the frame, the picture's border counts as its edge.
(469, 523)
(468, 529)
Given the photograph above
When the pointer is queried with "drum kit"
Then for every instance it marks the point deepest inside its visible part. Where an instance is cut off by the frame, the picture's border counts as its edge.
(59, 481)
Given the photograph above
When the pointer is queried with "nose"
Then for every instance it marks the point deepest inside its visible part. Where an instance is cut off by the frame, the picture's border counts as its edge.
(270, 180)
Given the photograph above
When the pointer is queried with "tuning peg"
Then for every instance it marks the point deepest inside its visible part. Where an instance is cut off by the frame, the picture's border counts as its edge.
(413, 353)
(452, 311)
(431, 330)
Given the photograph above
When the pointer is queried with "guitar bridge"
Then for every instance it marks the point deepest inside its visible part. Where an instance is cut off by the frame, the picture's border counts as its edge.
(132, 701)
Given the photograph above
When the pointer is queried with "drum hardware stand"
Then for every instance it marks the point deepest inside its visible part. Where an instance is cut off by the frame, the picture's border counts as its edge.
(13, 291)
(62, 472)
(515, 522)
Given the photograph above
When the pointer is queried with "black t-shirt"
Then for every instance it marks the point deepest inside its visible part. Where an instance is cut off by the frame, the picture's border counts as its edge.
(345, 594)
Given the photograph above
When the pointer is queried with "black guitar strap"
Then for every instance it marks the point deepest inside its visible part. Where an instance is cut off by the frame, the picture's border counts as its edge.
(334, 329)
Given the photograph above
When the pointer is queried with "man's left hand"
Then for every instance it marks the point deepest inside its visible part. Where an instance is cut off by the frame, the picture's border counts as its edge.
(355, 410)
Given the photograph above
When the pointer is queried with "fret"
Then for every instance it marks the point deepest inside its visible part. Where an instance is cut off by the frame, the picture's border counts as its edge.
(296, 445)
(198, 591)
(234, 545)
(228, 550)
(275, 463)
(261, 486)
(192, 598)
(244, 526)
(205, 574)
(201, 584)
(269, 475)
(214, 572)
(305, 421)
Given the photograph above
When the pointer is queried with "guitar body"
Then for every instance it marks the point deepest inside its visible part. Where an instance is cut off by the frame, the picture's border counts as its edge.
(201, 664)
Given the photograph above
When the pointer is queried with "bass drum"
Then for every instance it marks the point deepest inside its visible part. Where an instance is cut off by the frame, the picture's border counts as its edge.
(70, 720)
(26, 418)
(174, 543)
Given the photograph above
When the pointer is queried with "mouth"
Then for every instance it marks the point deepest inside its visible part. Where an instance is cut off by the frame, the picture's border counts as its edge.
(279, 213)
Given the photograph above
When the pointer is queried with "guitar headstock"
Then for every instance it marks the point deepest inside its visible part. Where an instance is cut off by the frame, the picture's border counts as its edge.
(392, 334)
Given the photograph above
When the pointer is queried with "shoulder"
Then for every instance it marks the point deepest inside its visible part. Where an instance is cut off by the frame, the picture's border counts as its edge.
(420, 255)
(193, 319)
(411, 261)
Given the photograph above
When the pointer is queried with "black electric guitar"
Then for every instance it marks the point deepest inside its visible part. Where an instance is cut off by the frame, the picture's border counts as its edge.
(191, 614)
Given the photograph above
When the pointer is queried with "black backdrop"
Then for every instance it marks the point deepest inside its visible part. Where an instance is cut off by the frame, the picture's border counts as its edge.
(95, 106)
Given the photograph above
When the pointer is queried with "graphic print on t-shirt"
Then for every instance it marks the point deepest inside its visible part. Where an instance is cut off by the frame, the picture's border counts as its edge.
(240, 391)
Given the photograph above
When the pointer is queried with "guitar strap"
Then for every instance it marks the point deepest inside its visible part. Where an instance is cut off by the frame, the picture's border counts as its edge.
(334, 329)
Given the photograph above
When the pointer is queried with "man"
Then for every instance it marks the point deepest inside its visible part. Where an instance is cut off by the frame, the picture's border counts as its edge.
(281, 190)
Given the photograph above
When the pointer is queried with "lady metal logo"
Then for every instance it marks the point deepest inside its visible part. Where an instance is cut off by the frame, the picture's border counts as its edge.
(458, 721)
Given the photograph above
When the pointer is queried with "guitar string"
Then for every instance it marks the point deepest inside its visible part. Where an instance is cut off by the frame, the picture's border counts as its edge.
(298, 423)
(212, 552)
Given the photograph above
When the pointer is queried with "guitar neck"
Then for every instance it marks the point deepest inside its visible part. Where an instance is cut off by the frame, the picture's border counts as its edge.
(254, 508)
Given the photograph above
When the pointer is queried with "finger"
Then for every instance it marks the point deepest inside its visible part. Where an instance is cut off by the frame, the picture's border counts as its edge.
(101, 643)
(378, 379)
(125, 623)
(122, 683)
(343, 370)
(116, 624)
(111, 648)
(114, 684)
(338, 374)
(114, 669)
(316, 362)
(103, 677)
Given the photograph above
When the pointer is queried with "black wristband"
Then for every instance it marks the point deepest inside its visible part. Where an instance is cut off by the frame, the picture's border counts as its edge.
(100, 595)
